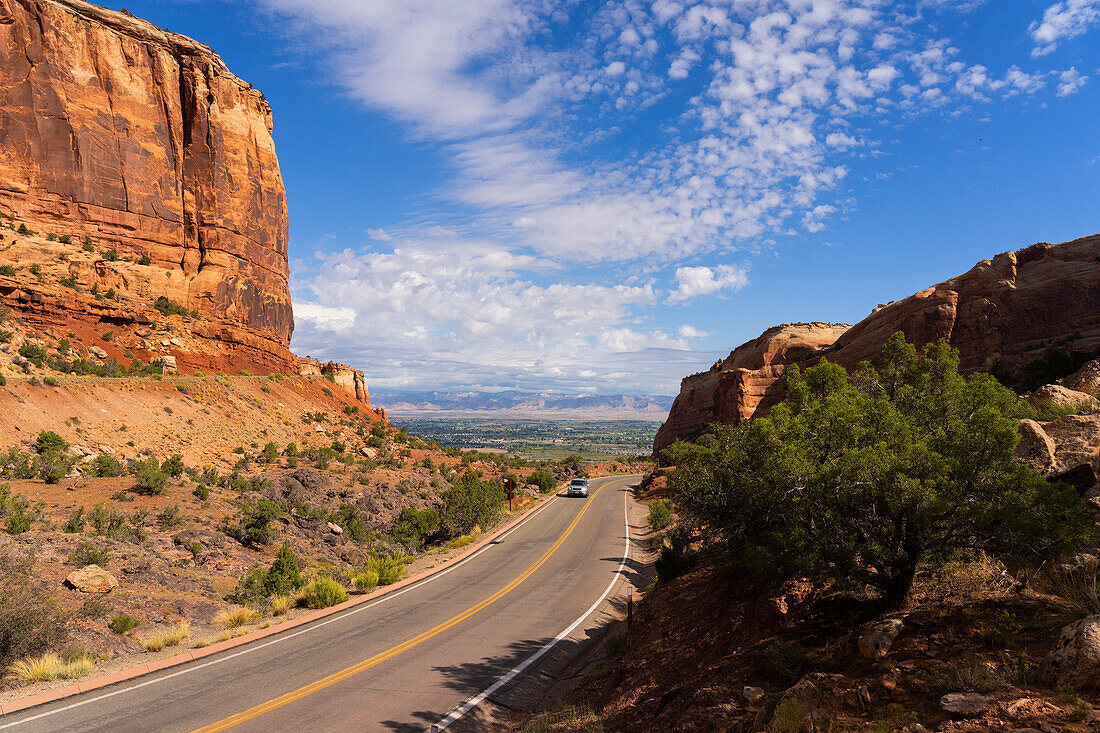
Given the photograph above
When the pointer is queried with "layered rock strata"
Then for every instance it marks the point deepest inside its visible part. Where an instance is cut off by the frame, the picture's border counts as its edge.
(1009, 310)
(350, 380)
(141, 141)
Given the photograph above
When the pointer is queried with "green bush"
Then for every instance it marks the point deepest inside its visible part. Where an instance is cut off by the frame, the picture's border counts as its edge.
(25, 231)
(123, 623)
(544, 479)
(54, 465)
(253, 527)
(202, 492)
(284, 576)
(87, 246)
(111, 255)
(35, 354)
(856, 481)
(150, 479)
(470, 503)
(88, 554)
(660, 514)
(65, 239)
(144, 260)
(414, 527)
(107, 466)
(48, 440)
(169, 308)
(16, 511)
(323, 591)
(76, 521)
(390, 568)
(7, 271)
(366, 581)
(173, 466)
(349, 517)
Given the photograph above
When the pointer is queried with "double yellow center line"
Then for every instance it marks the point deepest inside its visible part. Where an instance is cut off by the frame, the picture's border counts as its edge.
(377, 659)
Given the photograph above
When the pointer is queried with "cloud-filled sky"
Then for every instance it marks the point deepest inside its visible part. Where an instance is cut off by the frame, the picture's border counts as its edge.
(605, 196)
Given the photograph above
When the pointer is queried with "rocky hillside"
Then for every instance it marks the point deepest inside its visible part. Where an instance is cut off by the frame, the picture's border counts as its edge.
(1004, 313)
(123, 138)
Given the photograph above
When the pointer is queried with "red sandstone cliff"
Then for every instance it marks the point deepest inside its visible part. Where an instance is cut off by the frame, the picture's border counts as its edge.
(144, 142)
(1011, 308)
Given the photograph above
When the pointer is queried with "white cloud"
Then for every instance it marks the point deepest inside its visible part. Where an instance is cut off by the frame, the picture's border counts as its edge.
(693, 282)
(687, 331)
(323, 316)
(380, 235)
(1063, 21)
(1070, 82)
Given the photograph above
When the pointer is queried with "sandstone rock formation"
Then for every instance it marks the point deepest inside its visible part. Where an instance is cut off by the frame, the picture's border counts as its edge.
(1008, 310)
(1067, 448)
(350, 380)
(91, 579)
(143, 142)
(735, 388)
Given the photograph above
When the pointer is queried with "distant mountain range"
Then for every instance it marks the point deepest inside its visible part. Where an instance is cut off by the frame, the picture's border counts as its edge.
(519, 404)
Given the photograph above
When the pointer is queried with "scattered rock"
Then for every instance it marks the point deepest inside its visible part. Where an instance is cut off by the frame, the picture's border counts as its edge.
(91, 579)
(369, 452)
(876, 640)
(106, 449)
(97, 352)
(1075, 660)
(754, 695)
(965, 704)
(335, 528)
(914, 728)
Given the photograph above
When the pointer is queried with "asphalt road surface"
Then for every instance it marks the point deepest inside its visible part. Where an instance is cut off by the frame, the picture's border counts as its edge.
(404, 662)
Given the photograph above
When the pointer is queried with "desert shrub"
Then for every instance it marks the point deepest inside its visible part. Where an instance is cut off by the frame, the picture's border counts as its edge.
(349, 517)
(150, 479)
(87, 246)
(16, 510)
(544, 479)
(201, 492)
(123, 623)
(236, 617)
(30, 621)
(390, 568)
(25, 230)
(281, 605)
(65, 239)
(111, 255)
(167, 637)
(660, 514)
(615, 645)
(322, 592)
(36, 355)
(169, 516)
(17, 464)
(75, 522)
(284, 576)
(144, 260)
(856, 481)
(173, 466)
(366, 581)
(253, 526)
(470, 503)
(88, 554)
(413, 527)
(47, 440)
(54, 465)
(270, 453)
(106, 466)
(169, 308)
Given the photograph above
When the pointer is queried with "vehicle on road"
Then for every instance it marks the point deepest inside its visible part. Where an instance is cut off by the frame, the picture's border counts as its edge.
(578, 487)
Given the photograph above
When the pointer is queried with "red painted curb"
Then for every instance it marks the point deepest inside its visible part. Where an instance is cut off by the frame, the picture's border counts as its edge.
(193, 654)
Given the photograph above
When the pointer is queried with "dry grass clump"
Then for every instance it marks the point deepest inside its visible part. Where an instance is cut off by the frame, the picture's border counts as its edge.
(49, 667)
(166, 638)
(281, 605)
(236, 617)
(1078, 590)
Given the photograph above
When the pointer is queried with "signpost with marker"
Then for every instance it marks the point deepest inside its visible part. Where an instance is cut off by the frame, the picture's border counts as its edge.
(510, 487)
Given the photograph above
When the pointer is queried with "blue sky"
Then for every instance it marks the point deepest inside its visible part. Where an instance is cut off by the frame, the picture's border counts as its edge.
(606, 196)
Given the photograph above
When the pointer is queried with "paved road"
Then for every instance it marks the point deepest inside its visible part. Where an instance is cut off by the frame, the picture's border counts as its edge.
(398, 664)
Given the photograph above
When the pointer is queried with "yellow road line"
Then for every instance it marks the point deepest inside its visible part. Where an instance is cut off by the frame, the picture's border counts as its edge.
(355, 669)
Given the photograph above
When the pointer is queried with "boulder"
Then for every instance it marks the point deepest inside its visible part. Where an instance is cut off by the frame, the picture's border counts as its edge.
(754, 695)
(1036, 448)
(1074, 662)
(91, 579)
(965, 704)
(1056, 394)
(876, 640)
(97, 352)
(335, 528)
(1086, 379)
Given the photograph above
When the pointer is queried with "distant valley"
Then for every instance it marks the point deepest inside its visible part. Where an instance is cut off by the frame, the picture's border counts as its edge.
(523, 404)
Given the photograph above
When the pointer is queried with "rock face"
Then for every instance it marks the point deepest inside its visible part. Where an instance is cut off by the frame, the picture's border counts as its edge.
(1067, 449)
(144, 142)
(1009, 309)
(745, 383)
(350, 380)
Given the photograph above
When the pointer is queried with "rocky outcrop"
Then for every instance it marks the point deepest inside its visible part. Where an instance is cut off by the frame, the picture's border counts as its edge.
(1008, 310)
(143, 142)
(1067, 449)
(745, 382)
(91, 579)
(350, 380)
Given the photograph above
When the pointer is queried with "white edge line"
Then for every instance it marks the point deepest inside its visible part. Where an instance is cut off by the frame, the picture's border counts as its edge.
(476, 700)
(281, 638)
